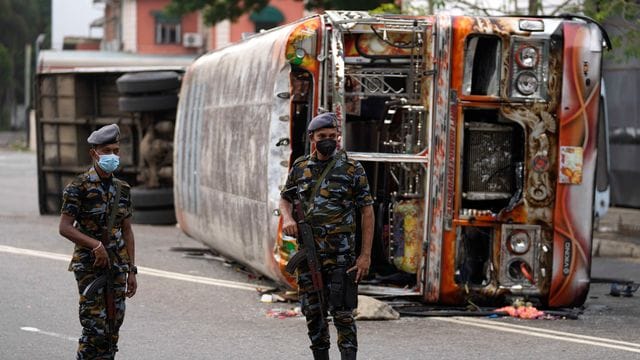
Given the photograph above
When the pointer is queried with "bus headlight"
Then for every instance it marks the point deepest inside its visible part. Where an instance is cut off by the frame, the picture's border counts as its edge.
(529, 68)
(527, 57)
(519, 242)
(527, 83)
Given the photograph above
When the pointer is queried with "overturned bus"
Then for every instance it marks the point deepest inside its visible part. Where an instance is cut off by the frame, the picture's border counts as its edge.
(478, 136)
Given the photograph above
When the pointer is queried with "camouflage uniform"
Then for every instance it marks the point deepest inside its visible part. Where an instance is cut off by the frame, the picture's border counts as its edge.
(88, 199)
(332, 215)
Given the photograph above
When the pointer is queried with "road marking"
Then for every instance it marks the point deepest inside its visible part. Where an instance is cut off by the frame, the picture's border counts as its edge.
(141, 270)
(48, 333)
(548, 334)
(555, 332)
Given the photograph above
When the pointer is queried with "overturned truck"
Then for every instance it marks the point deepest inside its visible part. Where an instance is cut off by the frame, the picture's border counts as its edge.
(478, 136)
(80, 91)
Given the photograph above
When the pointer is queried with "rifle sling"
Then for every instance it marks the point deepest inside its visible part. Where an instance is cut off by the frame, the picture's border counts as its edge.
(324, 174)
(112, 213)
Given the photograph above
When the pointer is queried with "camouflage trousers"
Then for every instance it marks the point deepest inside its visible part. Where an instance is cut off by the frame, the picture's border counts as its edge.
(340, 299)
(94, 343)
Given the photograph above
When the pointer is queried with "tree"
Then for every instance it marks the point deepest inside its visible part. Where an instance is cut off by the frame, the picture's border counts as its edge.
(25, 19)
(215, 11)
(620, 17)
(622, 20)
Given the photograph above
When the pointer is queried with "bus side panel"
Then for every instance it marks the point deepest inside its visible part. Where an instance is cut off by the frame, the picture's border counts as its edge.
(222, 195)
(576, 160)
(437, 162)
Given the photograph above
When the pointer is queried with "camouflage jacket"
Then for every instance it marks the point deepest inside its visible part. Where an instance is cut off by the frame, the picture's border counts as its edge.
(88, 200)
(344, 189)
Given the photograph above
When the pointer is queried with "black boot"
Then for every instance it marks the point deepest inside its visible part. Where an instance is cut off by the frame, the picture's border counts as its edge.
(348, 354)
(321, 354)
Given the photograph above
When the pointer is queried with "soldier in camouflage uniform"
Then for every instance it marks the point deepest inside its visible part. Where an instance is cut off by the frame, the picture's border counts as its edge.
(87, 202)
(331, 213)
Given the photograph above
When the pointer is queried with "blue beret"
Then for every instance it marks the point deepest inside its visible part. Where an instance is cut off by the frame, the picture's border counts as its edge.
(108, 134)
(322, 121)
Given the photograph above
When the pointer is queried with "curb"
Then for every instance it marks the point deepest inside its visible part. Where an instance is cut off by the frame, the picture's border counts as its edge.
(614, 248)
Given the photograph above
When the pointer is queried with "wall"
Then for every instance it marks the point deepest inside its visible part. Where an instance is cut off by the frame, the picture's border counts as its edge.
(145, 27)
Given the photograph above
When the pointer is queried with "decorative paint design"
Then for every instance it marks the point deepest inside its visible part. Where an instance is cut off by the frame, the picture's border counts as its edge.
(437, 162)
(578, 116)
(451, 159)
(540, 127)
(540, 124)
(304, 41)
(570, 165)
(372, 45)
(337, 61)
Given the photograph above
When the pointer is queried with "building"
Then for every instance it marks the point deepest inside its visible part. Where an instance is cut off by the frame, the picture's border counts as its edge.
(141, 26)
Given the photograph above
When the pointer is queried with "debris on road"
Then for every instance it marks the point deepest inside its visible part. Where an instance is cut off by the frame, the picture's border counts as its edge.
(279, 313)
(373, 309)
(527, 311)
(623, 289)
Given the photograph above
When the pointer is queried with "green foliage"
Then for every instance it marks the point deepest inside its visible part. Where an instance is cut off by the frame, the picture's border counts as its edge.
(388, 8)
(345, 4)
(6, 67)
(621, 18)
(215, 11)
(6, 83)
(21, 21)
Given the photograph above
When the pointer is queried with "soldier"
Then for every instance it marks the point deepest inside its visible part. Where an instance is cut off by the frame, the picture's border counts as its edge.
(96, 213)
(330, 209)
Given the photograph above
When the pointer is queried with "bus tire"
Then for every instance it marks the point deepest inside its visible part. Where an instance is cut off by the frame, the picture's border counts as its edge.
(162, 216)
(147, 82)
(151, 198)
(148, 103)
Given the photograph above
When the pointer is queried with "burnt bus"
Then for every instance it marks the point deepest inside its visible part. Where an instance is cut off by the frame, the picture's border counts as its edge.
(478, 136)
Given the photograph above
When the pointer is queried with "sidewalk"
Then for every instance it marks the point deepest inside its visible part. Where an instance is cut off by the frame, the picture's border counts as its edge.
(618, 234)
(12, 139)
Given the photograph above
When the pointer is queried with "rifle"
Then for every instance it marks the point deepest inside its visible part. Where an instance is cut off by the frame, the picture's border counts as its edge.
(307, 252)
(109, 298)
(105, 280)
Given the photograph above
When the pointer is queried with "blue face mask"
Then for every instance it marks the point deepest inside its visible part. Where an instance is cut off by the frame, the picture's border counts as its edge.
(109, 162)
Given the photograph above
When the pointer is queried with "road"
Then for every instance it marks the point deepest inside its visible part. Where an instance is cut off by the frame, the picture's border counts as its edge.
(204, 309)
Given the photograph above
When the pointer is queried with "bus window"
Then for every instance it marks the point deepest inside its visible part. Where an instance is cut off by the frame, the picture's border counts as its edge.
(482, 66)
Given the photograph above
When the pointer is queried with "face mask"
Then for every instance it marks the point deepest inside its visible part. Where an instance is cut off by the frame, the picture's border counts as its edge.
(109, 163)
(326, 147)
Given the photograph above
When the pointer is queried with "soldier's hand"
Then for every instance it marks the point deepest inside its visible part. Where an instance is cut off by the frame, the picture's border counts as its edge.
(362, 267)
(102, 257)
(290, 227)
(132, 285)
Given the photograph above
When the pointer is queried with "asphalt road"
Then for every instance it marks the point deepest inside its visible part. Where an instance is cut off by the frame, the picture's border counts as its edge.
(203, 309)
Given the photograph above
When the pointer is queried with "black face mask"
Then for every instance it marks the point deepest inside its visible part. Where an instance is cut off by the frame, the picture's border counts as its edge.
(326, 147)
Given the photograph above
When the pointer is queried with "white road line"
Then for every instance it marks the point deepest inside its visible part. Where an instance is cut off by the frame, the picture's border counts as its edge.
(48, 333)
(560, 333)
(535, 332)
(141, 270)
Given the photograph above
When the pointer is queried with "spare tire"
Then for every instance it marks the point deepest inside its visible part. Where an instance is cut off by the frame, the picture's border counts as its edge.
(154, 216)
(148, 102)
(149, 198)
(146, 82)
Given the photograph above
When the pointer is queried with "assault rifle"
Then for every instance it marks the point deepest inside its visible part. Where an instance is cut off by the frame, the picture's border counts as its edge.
(307, 252)
(105, 280)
